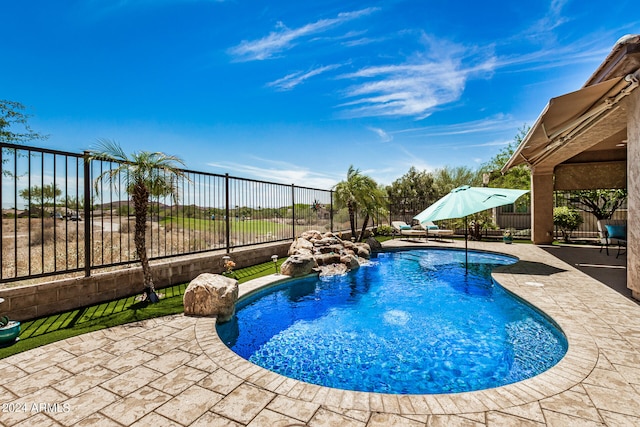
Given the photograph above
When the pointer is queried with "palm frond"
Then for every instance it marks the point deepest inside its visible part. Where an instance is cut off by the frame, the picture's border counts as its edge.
(108, 150)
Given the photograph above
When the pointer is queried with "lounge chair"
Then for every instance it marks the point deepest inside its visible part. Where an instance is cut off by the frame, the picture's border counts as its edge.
(612, 232)
(438, 232)
(405, 229)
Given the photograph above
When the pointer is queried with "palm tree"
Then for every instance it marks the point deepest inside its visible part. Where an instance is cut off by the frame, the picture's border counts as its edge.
(358, 192)
(372, 204)
(144, 174)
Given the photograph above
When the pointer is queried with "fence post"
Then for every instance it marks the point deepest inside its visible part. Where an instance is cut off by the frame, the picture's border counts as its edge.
(293, 210)
(87, 215)
(227, 212)
(331, 209)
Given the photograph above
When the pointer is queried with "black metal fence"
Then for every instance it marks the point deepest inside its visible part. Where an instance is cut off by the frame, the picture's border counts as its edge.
(589, 228)
(58, 218)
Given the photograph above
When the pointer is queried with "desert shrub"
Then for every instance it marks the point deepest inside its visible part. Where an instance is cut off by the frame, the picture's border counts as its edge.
(567, 220)
(39, 236)
(125, 210)
(384, 230)
(42, 233)
(125, 227)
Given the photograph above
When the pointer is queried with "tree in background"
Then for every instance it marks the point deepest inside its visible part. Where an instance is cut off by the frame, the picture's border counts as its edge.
(518, 177)
(14, 126)
(38, 197)
(144, 174)
(358, 192)
(448, 178)
(601, 203)
(412, 192)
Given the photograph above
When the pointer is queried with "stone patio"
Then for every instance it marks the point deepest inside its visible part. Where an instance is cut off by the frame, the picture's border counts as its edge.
(174, 371)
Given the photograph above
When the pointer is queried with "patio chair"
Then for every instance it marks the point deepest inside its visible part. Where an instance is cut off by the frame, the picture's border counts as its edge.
(612, 232)
(438, 232)
(404, 229)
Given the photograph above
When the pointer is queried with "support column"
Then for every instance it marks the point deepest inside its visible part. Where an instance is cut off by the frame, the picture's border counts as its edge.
(633, 189)
(541, 205)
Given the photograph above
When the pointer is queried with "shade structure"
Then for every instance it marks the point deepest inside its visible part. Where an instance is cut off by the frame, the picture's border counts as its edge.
(464, 201)
(565, 115)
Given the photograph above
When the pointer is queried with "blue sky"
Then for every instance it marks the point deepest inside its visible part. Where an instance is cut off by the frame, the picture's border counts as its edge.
(295, 92)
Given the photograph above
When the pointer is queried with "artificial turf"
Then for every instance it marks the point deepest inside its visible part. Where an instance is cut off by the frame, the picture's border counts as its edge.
(45, 330)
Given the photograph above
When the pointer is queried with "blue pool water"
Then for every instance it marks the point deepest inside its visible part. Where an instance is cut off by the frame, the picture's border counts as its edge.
(411, 322)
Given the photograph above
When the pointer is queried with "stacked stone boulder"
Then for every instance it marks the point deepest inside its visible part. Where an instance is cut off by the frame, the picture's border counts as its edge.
(211, 295)
(325, 253)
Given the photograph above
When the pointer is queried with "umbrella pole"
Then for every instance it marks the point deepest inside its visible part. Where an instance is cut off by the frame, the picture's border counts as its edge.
(466, 253)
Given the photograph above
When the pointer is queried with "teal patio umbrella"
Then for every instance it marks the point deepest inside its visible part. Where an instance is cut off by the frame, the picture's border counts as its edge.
(464, 201)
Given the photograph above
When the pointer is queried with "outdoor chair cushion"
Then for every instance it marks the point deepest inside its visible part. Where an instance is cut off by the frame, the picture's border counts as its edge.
(617, 231)
(406, 230)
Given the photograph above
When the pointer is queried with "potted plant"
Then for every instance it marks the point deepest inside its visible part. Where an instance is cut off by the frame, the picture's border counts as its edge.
(9, 329)
(507, 237)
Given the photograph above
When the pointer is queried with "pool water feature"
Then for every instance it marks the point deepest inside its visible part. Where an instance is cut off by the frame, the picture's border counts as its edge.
(410, 322)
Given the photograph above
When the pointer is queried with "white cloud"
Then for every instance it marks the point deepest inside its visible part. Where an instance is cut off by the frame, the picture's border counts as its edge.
(410, 159)
(285, 38)
(548, 51)
(416, 87)
(501, 143)
(292, 80)
(384, 136)
(583, 51)
(280, 172)
(495, 123)
(542, 30)
(362, 41)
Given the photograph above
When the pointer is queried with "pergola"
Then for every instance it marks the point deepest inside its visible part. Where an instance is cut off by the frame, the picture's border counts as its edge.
(590, 139)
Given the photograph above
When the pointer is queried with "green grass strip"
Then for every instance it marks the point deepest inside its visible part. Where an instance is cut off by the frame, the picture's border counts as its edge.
(45, 330)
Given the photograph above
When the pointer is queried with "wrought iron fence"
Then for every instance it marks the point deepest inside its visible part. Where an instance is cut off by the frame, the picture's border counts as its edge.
(589, 228)
(57, 217)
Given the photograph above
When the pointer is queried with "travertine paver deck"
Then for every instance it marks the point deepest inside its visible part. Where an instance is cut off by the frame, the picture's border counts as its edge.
(175, 371)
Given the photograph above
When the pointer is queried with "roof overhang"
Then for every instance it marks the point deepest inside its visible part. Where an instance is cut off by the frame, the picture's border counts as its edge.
(592, 118)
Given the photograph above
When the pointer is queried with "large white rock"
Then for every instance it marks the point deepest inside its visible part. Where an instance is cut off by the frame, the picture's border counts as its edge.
(298, 265)
(327, 251)
(350, 261)
(211, 295)
(300, 245)
(363, 250)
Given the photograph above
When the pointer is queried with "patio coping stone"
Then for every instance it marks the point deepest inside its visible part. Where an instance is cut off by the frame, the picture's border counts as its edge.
(176, 371)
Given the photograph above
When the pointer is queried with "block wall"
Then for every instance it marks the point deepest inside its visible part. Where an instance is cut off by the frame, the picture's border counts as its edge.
(44, 299)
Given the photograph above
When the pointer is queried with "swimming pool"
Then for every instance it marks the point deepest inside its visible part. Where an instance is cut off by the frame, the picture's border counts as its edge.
(411, 322)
